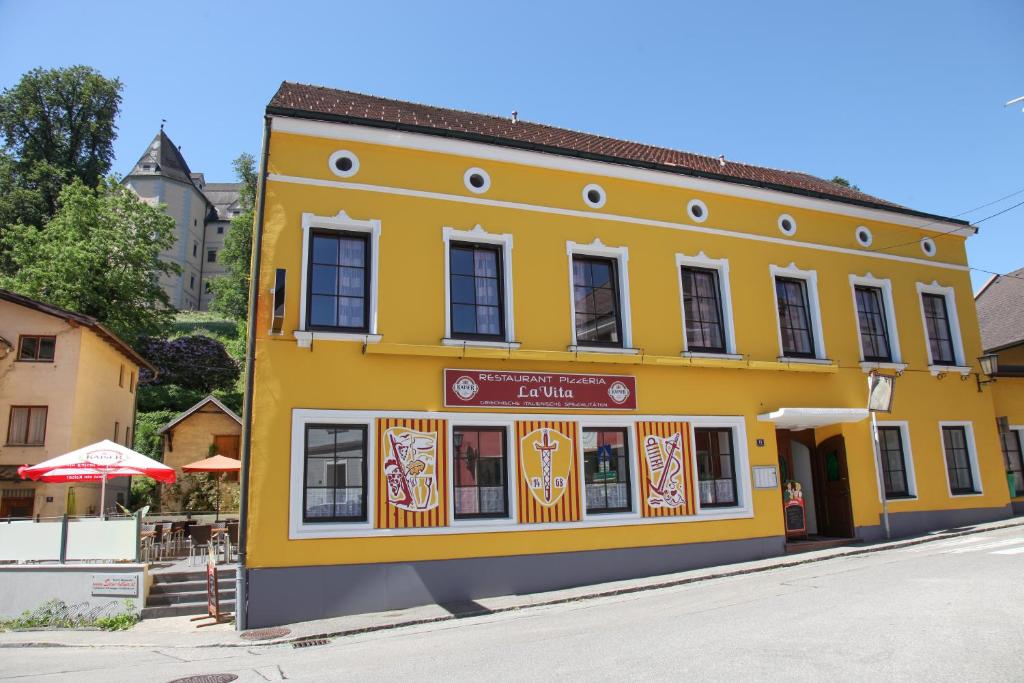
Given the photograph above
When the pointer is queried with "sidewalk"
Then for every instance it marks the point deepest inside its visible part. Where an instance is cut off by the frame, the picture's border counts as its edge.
(180, 632)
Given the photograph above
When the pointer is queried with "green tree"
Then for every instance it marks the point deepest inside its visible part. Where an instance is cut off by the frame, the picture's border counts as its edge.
(231, 291)
(843, 182)
(99, 255)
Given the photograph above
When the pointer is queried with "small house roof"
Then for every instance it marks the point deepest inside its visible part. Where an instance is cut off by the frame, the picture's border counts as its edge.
(181, 417)
(1000, 306)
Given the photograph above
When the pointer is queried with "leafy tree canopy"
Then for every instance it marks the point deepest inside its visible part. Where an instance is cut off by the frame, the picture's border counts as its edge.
(99, 255)
(193, 362)
(63, 118)
(843, 182)
(231, 291)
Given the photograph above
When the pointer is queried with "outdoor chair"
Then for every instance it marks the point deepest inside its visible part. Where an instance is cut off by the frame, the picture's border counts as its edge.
(198, 537)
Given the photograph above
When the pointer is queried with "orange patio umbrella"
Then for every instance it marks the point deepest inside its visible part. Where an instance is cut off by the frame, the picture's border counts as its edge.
(217, 464)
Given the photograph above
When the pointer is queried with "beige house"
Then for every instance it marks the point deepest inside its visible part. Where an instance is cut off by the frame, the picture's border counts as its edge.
(189, 436)
(66, 381)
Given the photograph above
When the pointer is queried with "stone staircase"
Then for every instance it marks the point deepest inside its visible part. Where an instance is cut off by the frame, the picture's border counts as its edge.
(184, 593)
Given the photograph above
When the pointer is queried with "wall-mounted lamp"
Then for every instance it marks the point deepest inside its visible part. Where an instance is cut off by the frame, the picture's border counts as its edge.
(989, 367)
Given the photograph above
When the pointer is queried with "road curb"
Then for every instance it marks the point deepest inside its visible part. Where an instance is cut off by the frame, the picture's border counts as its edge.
(625, 590)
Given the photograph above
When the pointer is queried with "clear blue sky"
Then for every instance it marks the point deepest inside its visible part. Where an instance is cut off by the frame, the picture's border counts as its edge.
(905, 99)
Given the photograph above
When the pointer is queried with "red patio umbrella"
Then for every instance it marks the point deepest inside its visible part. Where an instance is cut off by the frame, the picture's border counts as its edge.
(98, 462)
(217, 464)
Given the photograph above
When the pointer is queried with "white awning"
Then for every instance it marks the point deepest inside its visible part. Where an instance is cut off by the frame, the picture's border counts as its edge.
(808, 418)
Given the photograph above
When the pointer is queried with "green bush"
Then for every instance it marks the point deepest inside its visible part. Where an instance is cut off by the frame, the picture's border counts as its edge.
(57, 614)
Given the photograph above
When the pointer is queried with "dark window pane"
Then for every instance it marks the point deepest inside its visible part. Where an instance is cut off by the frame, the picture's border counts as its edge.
(894, 467)
(350, 312)
(596, 298)
(29, 348)
(794, 317)
(335, 466)
(958, 463)
(480, 465)
(463, 319)
(353, 252)
(46, 348)
(940, 339)
(325, 249)
(325, 280)
(323, 311)
(475, 282)
(485, 263)
(874, 333)
(462, 261)
(338, 296)
(715, 467)
(606, 470)
(351, 281)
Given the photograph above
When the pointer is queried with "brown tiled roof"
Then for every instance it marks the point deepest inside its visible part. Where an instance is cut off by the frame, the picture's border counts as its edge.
(78, 319)
(1000, 306)
(310, 101)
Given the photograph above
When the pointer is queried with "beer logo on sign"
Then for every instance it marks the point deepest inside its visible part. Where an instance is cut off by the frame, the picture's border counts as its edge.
(618, 392)
(465, 388)
(665, 464)
(410, 468)
(103, 458)
(546, 458)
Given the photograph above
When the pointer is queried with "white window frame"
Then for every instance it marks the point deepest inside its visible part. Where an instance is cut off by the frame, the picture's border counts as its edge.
(511, 469)
(621, 256)
(972, 453)
(810, 278)
(632, 457)
(949, 293)
(701, 260)
(908, 462)
(885, 285)
(298, 528)
(741, 463)
(480, 236)
(342, 223)
(1020, 439)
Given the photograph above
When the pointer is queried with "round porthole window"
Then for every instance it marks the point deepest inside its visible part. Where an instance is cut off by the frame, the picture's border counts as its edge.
(928, 246)
(343, 163)
(593, 195)
(697, 210)
(863, 236)
(477, 180)
(787, 225)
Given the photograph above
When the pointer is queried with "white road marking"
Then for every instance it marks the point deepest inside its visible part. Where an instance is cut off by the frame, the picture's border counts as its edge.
(985, 546)
(1008, 551)
(938, 545)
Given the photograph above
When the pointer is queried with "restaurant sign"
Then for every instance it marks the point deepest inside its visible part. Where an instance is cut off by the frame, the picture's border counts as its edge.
(115, 584)
(513, 389)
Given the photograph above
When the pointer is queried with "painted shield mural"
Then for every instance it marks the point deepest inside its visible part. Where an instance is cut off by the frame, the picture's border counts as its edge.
(547, 459)
(666, 478)
(412, 461)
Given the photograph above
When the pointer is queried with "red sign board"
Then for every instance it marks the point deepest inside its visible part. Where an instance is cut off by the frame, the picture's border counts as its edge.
(515, 389)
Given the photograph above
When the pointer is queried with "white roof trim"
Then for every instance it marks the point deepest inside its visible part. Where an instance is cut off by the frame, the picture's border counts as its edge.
(208, 399)
(808, 418)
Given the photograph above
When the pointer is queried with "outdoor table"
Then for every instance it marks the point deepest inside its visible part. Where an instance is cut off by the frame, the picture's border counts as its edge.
(220, 533)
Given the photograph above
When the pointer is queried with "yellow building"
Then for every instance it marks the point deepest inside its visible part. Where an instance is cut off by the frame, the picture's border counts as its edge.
(492, 356)
(66, 381)
(1001, 316)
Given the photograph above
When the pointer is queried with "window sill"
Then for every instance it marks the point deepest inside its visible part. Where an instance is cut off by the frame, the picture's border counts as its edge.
(968, 494)
(480, 343)
(897, 499)
(305, 339)
(582, 348)
(808, 361)
(24, 445)
(937, 370)
(869, 365)
(718, 356)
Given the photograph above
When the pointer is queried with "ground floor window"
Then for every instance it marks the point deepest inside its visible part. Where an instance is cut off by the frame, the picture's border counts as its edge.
(481, 465)
(606, 470)
(716, 467)
(894, 463)
(335, 473)
(1014, 457)
(958, 460)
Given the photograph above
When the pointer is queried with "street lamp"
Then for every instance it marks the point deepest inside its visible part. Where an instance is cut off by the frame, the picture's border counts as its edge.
(881, 391)
(989, 367)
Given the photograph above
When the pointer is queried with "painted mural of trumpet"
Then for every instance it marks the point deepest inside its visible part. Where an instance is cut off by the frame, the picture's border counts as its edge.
(664, 458)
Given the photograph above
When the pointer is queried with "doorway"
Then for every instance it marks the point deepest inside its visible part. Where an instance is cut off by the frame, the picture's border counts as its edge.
(17, 503)
(834, 507)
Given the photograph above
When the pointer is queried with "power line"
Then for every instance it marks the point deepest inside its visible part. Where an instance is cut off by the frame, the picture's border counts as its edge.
(958, 229)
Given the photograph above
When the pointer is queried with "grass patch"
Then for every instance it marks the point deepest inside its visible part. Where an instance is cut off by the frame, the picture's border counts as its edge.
(57, 614)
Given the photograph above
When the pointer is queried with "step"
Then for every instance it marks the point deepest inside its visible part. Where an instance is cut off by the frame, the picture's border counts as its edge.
(183, 609)
(804, 546)
(194, 575)
(181, 598)
(189, 586)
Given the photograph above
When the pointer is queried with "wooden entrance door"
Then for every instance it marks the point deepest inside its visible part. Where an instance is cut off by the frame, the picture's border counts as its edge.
(20, 506)
(832, 485)
(228, 446)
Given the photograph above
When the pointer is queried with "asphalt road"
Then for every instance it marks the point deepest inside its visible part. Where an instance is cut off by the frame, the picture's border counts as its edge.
(949, 610)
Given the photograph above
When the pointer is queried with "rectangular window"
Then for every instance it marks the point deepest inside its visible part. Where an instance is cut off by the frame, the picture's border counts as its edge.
(794, 317)
(128, 437)
(477, 294)
(894, 464)
(120, 376)
(335, 473)
(940, 337)
(596, 294)
(191, 281)
(481, 464)
(131, 382)
(874, 333)
(117, 431)
(195, 248)
(340, 281)
(220, 229)
(716, 467)
(211, 255)
(27, 426)
(702, 306)
(606, 470)
(1014, 457)
(958, 460)
(36, 348)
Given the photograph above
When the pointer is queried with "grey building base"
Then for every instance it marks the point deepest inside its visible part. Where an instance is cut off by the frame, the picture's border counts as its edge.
(903, 524)
(283, 595)
(1018, 508)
